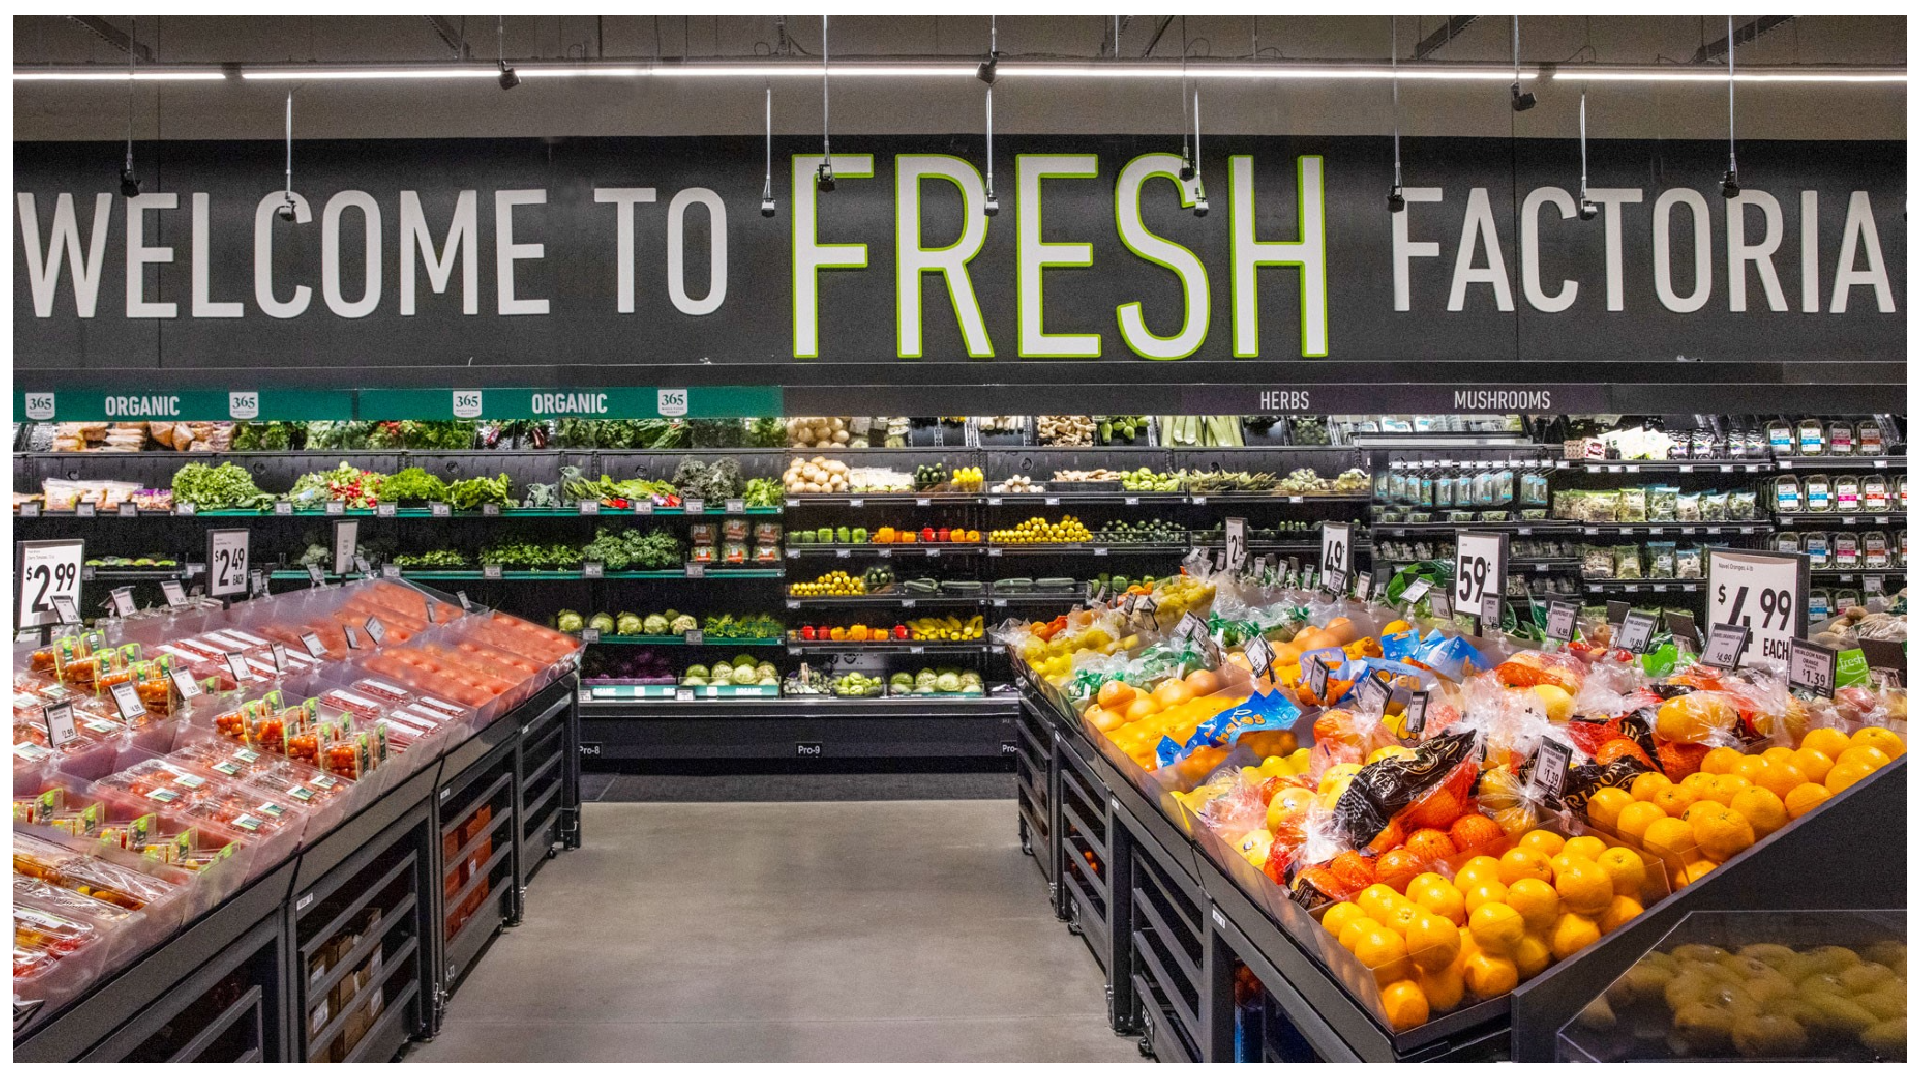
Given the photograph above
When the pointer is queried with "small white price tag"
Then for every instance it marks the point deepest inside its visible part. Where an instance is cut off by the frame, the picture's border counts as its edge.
(1726, 644)
(683, 693)
(1560, 619)
(736, 506)
(491, 571)
(314, 648)
(390, 571)
(1374, 694)
(336, 507)
(440, 509)
(237, 667)
(593, 570)
(122, 601)
(694, 637)
(66, 610)
(375, 630)
(283, 508)
(346, 538)
(1812, 667)
(696, 570)
(30, 509)
(184, 685)
(1416, 713)
(590, 635)
(126, 699)
(588, 507)
(128, 509)
(59, 720)
(489, 509)
(1363, 585)
(386, 510)
(696, 506)
(1636, 632)
(85, 509)
(353, 637)
(1442, 603)
(1259, 654)
(279, 658)
(1413, 593)
(1550, 770)
(316, 575)
(175, 593)
(465, 604)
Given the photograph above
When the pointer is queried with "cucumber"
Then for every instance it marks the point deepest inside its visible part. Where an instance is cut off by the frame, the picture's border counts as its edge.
(962, 586)
(921, 585)
(1054, 583)
(1012, 583)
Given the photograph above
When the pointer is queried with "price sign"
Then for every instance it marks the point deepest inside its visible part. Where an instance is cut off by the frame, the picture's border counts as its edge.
(1636, 632)
(694, 637)
(128, 509)
(491, 571)
(1189, 628)
(386, 509)
(1441, 600)
(1148, 605)
(390, 570)
(122, 601)
(489, 509)
(1317, 672)
(736, 506)
(588, 507)
(45, 570)
(1550, 770)
(375, 630)
(316, 575)
(1236, 548)
(440, 509)
(1336, 549)
(127, 700)
(183, 684)
(1480, 574)
(683, 693)
(590, 635)
(185, 509)
(1811, 667)
(1374, 694)
(1686, 635)
(226, 562)
(1416, 712)
(336, 507)
(353, 637)
(1127, 604)
(279, 659)
(30, 509)
(593, 569)
(1765, 591)
(1413, 593)
(465, 604)
(696, 570)
(85, 509)
(59, 719)
(237, 667)
(1260, 655)
(699, 506)
(283, 508)
(346, 537)
(1336, 581)
(1363, 585)
(1726, 644)
(175, 593)
(1560, 619)
(314, 648)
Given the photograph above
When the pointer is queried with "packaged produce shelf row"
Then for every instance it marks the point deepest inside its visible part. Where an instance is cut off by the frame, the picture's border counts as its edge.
(407, 513)
(481, 574)
(655, 727)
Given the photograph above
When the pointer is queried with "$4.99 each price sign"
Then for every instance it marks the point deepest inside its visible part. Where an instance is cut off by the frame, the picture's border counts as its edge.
(1764, 591)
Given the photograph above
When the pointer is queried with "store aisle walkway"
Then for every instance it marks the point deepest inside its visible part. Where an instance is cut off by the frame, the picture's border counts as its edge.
(811, 931)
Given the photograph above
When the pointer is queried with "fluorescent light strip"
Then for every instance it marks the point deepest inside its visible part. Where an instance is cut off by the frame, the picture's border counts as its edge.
(1657, 75)
(117, 76)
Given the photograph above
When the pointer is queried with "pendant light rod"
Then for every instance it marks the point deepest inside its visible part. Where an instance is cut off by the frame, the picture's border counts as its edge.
(1730, 183)
(130, 183)
(1396, 201)
(823, 178)
(766, 186)
(1522, 101)
(1588, 208)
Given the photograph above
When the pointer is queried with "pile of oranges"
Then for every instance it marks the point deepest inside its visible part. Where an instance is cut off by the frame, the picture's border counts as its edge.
(1136, 720)
(1738, 799)
(1497, 922)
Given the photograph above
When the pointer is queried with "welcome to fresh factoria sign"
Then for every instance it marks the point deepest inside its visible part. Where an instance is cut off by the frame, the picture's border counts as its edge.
(638, 250)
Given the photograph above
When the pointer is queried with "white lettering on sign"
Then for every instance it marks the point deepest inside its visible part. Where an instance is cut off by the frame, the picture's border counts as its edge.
(569, 404)
(138, 405)
(1273, 401)
(243, 404)
(670, 402)
(40, 406)
(467, 404)
(1503, 400)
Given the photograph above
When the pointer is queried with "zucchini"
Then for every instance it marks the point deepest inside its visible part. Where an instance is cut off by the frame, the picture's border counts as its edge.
(962, 586)
(1055, 583)
(1013, 584)
(921, 585)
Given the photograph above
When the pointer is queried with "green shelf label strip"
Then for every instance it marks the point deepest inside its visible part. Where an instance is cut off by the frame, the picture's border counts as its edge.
(452, 403)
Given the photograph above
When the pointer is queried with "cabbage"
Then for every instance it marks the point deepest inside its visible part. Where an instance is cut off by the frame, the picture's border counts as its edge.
(602, 622)
(627, 623)
(692, 680)
(745, 676)
(683, 623)
(570, 622)
(655, 624)
(722, 671)
(696, 671)
(743, 660)
(924, 681)
(947, 684)
(769, 680)
(764, 669)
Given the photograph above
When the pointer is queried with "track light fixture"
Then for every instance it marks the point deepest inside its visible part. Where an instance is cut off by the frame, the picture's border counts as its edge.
(1730, 183)
(1396, 200)
(509, 78)
(823, 176)
(989, 71)
(1588, 208)
(287, 210)
(129, 183)
(1522, 100)
(766, 186)
(1199, 189)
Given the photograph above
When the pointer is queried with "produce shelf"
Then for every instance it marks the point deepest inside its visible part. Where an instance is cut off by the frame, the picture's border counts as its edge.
(411, 513)
(890, 599)
(1851, 461)
(887, 498)
(591, 692)
(1684, 585)
(1703, 465)
(887, 648)
(1517, 528)
(479, 574)
(995, 551)
(1069, 498)
(116, 573)
(681, 639)
(1844, 574)
(881, 551)
(1202, 498)
(1888, 517)
(1668, 528)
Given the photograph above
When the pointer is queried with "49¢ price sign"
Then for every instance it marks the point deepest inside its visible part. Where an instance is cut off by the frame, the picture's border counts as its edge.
(1336, 549)
(1480, 575)
(1763, 591)
(46, 571)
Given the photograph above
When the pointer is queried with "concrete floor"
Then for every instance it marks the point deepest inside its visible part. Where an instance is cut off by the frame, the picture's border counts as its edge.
(807, 931)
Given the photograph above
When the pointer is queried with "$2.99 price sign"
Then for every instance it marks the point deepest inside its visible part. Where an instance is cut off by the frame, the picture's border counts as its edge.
(45, 570)
(1479, 574)
(226, 562)
(1764, 591)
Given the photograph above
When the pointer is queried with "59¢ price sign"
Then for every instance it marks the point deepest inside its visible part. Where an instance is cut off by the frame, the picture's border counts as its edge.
(226, 562)
(46, 570)
(1480, 574)
(1763, 591)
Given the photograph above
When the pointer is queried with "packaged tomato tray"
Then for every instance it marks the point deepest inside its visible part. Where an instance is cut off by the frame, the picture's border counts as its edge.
(163, 783)
(120, 929)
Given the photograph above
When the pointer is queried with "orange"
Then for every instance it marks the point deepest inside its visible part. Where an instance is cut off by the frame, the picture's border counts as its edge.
(1764, 810)
(1536, 902)
(1402, 918)
(1115, 695)
(1545, 842)
(1722, 836)
(1353, 870)
(1141, 707)
(1780, 777)
(1720, 759)
(1397, 868)
(1432, 942)
(1571, 934)
(1404, 1004)
(1697, 869)
(1482, 892)
(1476, 868)
(1670, 839)
(1647, 783)
(1776, 754)
(1625, 869)
(1826, 740)
(1584, 887)
(1604, 806)
(1339, 915)
(1384, 954)
(1812, 762)
(1703, 807)
(1531, 956)
(1357, 929)
(1441, 898)
(1750, 766)
(1377, 901)
(1805, 798)
(1473, 831)
(1421, 881)
(1172, 692)
(1431, 845)
(1203, 682)
(1521, 863)
(1635, 818)
(1490, 976)
(1726, 787)
(1845, 774)
(1888, 742)
(1619, 911)
(1585, 847)
(1106, 719)
(1674, 799)
(1700, 785)
(1872, 756)
(1496, 927)
(1437, 811)
(1444, 988)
